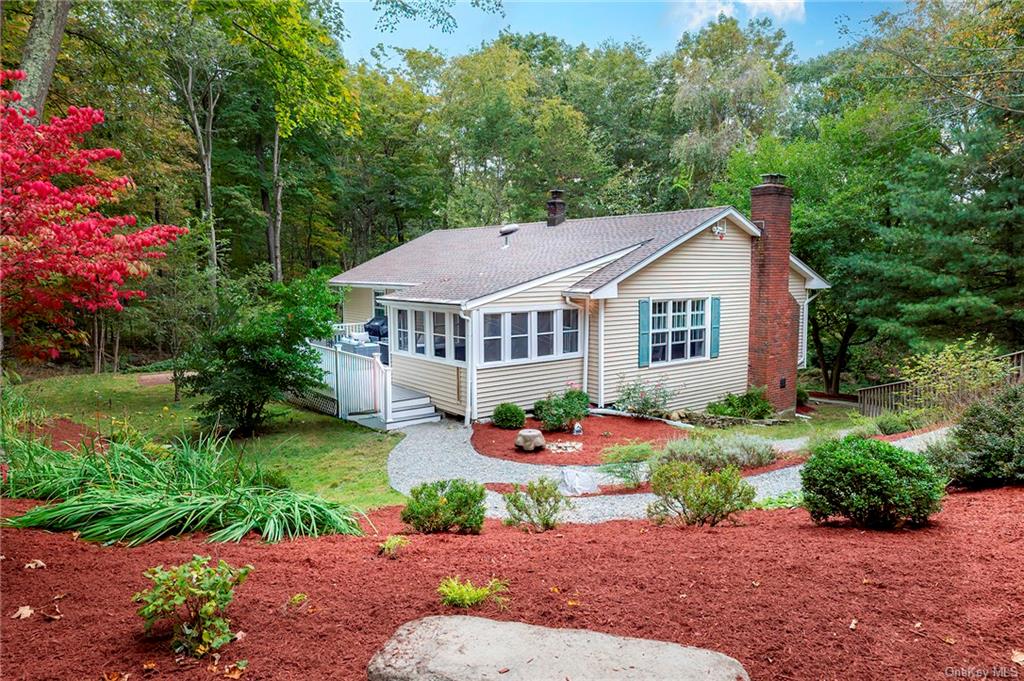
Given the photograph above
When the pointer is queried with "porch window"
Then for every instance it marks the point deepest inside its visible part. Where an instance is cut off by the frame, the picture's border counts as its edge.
(570, 331)
(440, 334)
(492, 338)
(420, 327)
(678, 330)
(458, 337)
(519, 335)
(403, 330)
(546, 333)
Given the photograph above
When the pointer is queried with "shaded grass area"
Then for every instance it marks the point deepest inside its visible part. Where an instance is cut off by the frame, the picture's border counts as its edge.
(336, 459)
(826, 419)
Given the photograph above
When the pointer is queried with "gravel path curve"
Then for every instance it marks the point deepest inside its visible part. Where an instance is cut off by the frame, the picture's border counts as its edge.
(439, 451)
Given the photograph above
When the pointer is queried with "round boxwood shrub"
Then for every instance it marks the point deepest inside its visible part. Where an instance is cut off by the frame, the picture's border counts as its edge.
(990, 441)
(446, 505)
(873, 483)
(508, 415)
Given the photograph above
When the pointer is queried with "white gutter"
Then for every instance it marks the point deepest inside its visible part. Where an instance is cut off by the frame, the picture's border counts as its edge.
(470, 368)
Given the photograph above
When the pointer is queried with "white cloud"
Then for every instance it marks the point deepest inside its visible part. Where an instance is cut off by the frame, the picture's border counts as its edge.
(690, 15)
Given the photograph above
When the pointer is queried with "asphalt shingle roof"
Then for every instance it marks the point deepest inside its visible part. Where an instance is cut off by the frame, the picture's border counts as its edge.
(458, 265)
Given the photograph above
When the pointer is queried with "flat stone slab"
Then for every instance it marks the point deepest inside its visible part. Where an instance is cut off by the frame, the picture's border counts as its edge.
(461, 648)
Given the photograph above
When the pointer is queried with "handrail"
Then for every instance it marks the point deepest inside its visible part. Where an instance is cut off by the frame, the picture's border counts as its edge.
(877, 399)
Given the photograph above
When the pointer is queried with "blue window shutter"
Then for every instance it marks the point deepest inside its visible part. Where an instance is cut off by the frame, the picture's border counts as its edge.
(716, 322)
(643, 354)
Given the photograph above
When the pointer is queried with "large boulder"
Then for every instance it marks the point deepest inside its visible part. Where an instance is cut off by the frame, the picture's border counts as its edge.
(460, 648)
(575, 482)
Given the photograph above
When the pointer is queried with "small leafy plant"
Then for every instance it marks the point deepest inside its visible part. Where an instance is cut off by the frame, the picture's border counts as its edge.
(459, 594)
(643, 399)
(752, 404)
(788, 499)
(689, 496)
(873, 483)
(446, 505)
(538, 506)
(193, 597)
(628, 461)
(392, 545)
(558, 412)
(508, 415)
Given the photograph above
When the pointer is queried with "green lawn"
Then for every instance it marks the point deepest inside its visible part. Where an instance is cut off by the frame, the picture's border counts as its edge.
(336, 459)
(827, 418)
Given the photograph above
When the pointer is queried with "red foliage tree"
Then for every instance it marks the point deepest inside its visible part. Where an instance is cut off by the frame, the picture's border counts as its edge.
(58, 254)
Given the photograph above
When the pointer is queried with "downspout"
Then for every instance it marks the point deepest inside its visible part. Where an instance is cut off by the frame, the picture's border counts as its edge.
(470, 368)
(584, 336)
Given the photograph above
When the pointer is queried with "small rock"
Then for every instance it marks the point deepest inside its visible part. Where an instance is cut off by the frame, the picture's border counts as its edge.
(529, 439)
(577, 482)
(461, 648)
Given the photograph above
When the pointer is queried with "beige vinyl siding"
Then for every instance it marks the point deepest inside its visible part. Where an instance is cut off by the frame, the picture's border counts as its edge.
(704, 266)
(357, 305)
(525, 383)
(592, 348)
(544, 294)
(444, 383)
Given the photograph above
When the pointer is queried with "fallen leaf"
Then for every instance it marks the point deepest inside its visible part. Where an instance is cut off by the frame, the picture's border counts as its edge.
(149, 666)
(23, 613)
(503, 670)
(949, 639)
(116, 676)
(853, 624)
(233, 672)
(571, 603)
(240, 635)
(555, 590)
(755, 584)
(1017, 657)
(56, 615)
(917, 625)
(34, 564)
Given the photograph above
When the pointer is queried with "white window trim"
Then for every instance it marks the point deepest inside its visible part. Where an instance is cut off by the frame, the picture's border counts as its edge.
(707, 331)
(428, 325)
(506, 342)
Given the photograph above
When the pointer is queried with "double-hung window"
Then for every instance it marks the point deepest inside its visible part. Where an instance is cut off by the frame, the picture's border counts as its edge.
(493, 344)
(419, 321)
(519, 335)
(546, 333)
(570, 331)
(402, 322)
(439, 331)
(678, 330)
(530, 335)
(458, 337)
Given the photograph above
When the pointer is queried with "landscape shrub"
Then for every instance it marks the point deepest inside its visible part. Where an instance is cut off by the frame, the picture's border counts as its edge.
(803, 397)
(392, 545)
(193, 597)
(643, 399)
(446, 505)
(989, 441)
(128, 494)
(873, 483)
(752, 404)
(953, 377)
(558, 412)
(893, 422)
(538, 506)
(465, 595)
(508, 415)
(716, 453)
(629, 462)
(688, 495)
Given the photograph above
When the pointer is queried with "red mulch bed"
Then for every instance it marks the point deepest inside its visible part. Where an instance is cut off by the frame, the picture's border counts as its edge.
(909, 433)
(490, 440)
(62, 434)
(825, 396)
(776, 592)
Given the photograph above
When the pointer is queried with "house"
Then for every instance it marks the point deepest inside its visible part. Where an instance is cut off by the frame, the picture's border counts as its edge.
(705, 301)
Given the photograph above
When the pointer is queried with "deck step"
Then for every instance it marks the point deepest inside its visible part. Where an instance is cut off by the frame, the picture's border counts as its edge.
(403, 414)
(403, 423)
(410, 402)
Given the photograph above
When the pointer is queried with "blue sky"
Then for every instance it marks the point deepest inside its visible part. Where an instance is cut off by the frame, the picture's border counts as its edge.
(812, 25)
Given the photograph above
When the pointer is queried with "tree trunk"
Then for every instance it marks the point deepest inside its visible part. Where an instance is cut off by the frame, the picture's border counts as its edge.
(40, 54)
(117, 349)
(274, 220)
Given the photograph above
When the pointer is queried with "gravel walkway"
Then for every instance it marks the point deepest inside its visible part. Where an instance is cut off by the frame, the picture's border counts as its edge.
(439, 451)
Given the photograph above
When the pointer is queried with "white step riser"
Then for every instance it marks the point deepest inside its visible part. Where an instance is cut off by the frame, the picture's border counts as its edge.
(395, 425)
(415, 412)
(410, 403)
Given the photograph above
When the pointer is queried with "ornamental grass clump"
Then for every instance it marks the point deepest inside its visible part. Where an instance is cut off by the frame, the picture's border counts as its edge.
(536, 507)
(131, 494)
(718, 452)
(688, 495)
(446, 506)
(872, 483)
(459, 594)
(194, 598)
(629, 461)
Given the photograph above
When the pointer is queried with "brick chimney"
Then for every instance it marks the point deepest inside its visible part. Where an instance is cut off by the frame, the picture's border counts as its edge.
(556, 208)
(774, 314)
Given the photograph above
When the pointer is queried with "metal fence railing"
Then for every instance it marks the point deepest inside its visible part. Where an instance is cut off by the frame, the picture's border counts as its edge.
(878, 399)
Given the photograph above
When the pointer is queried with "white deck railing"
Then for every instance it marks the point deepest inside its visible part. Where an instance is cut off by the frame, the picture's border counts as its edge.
(359, 384)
